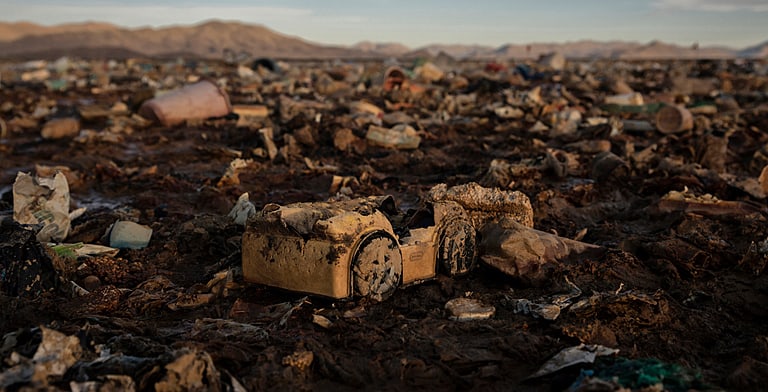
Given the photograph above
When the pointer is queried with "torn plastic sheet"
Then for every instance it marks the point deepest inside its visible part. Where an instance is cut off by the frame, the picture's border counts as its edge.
(587, 305)
(242, 210)
(583, 353)
(191, 371)
(212, 329)
(43, 200)
(56, 353)
(548, 308)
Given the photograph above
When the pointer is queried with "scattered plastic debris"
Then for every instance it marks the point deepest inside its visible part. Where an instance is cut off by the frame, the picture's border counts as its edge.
(230, 176)
(547, 308)
(61, 128)
(321, 321)
(250, 114)
(645, 181)
(673, 119)
(571, 356)
(401, 136)
(528, 254)
(242, 210)
(466, 309)
(129, 235)
(196, 101)
(55, 354)
(45, 201)
(639, 374)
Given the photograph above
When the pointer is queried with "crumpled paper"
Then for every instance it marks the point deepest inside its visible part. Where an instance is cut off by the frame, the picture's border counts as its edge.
(43, 200)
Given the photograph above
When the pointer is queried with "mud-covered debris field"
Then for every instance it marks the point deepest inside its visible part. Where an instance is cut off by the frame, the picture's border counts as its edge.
(647, 181)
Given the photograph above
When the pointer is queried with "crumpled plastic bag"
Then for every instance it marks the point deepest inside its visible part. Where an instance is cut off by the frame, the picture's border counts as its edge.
(527, 254)
(26, 269)
(56, 353)
(583, 353)
(242, 210)
(43, 200)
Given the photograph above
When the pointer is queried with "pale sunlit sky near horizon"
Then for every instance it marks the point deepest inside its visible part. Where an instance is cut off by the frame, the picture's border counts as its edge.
(734, 23)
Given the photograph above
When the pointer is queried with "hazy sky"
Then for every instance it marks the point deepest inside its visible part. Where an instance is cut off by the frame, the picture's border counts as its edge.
(736, 23)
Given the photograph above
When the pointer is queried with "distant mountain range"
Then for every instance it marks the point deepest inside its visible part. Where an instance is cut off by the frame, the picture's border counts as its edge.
(23, 40)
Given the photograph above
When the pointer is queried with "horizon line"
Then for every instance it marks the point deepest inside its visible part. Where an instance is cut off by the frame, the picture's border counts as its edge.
(411, 48)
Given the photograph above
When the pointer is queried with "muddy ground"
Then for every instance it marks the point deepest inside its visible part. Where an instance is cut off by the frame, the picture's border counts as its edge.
(675, 286)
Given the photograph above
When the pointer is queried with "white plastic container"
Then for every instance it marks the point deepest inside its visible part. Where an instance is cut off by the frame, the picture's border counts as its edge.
(201, 100)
